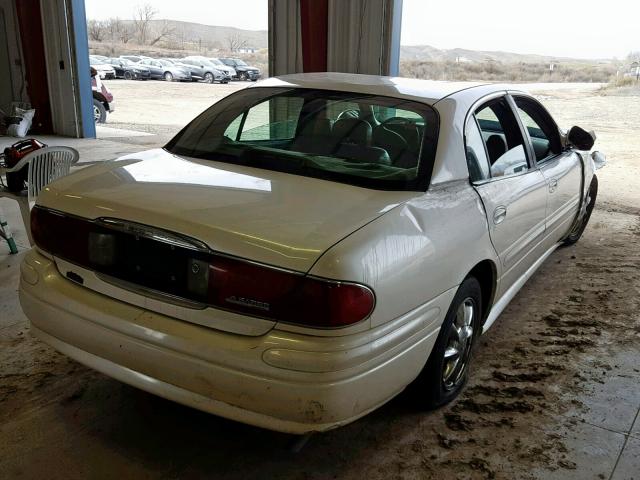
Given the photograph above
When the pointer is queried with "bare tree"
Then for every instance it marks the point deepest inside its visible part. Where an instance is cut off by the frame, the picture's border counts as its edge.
(163, 31)
(126, 34)
(96, 30)
(633, 57)
(113, 27)
(235, 42)
(142, 19)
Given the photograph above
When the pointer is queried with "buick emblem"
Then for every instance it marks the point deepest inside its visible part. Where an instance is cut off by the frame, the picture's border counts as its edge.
(195, 268)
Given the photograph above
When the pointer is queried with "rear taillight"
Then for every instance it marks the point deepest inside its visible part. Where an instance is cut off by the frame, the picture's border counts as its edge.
(206, 277)
(284, 296)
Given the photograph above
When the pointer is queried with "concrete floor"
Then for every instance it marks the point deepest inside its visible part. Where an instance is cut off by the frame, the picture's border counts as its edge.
(554, 390)
(111, 143)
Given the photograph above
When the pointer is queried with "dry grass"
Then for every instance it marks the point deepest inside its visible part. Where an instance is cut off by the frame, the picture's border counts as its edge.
(505, 72)
(621, 86)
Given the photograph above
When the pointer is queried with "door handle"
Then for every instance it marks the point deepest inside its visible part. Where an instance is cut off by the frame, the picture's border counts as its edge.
(499, 214)
(553, 184)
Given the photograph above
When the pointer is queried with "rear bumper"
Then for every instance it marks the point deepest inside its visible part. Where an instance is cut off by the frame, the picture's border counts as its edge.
(319, 382)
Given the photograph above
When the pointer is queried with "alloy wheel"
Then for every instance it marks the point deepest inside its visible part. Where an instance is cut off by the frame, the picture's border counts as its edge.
(459, 342)
(587, 215)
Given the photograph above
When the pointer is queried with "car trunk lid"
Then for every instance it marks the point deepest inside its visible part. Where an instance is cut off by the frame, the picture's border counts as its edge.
(269, 217)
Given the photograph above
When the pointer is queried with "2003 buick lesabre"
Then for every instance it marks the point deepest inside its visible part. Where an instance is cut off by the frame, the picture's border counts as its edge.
(308, 247)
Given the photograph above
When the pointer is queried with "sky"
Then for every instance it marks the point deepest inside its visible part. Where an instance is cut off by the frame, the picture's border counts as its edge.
(570, 28)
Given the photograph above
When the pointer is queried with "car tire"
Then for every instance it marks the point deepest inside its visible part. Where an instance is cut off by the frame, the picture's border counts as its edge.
(128, 76)
(168, 77)
(243, 76)
(443, 377)
(578, 229)
(254, 79)
(208, 77)
(99, 111)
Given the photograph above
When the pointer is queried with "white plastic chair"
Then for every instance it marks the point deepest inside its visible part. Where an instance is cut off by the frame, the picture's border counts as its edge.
(45, 166)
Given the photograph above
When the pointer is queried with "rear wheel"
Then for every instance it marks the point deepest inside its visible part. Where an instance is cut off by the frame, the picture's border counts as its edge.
(578, 229)
(243, 76)
(446, 371)
(99, 111)
(208, 77)
(128, 75)
(168, 76)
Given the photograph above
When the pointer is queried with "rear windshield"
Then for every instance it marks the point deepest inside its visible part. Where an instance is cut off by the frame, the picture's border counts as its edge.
(366, 140)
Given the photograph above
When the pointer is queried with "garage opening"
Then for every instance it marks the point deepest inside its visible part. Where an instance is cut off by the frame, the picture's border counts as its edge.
(157, 65)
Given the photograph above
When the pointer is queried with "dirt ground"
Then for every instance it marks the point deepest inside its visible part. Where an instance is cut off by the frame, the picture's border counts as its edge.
(553, 392)
(163, 107)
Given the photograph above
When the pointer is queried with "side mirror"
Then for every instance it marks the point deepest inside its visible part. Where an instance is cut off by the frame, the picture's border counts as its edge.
(580, 138)
(599, 159)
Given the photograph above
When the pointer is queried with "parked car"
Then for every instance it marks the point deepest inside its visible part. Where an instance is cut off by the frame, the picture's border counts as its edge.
(224, 68)
(165, 70)
(331, 238)
(132, 58)
(243, 71)
(104, 70)
(102, 98)
(129, 70)
(202, 69)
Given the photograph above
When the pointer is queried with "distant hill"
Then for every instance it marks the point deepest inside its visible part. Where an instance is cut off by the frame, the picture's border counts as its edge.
(215, 36)
(429, 53)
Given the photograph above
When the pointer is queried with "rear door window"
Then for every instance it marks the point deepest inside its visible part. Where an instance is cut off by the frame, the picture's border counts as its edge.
(503, 140)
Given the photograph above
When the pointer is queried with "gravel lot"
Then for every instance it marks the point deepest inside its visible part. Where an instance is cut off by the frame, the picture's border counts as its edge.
(163, 107)
(553, 390)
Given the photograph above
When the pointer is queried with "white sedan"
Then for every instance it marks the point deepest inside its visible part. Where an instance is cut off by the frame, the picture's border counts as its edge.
(308, 247)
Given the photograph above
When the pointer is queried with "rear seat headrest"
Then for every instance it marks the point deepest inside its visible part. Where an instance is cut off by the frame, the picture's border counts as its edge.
(352, 130)
(316, 126)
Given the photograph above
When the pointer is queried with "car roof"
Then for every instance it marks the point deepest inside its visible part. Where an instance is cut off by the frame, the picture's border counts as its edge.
(426, 91)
